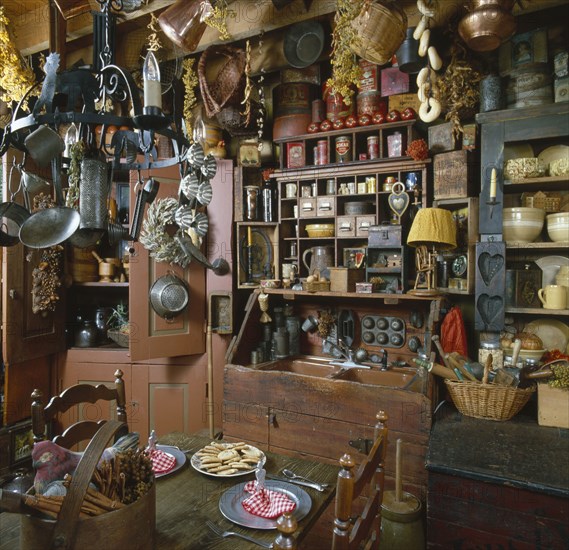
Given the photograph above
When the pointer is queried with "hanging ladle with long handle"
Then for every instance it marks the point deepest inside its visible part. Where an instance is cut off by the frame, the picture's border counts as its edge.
(145, 195)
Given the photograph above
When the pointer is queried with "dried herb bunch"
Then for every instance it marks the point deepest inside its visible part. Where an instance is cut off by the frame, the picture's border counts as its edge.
(190, 81)
(459, 87)
(16, 78)
(326, 321)
(217, 19)
(345, 70)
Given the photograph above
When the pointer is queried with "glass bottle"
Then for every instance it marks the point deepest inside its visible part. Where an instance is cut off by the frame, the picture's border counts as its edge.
(269, 201)
(251, 196)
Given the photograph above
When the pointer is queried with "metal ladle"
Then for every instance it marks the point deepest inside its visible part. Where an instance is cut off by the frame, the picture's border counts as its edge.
(144, 196)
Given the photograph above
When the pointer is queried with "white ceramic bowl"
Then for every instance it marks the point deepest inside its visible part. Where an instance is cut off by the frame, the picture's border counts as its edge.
(533, 354)
(522, 225)
(558, 226)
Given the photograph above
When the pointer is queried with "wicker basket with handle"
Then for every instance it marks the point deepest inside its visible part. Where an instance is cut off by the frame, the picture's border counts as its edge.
(381, 28)
(130, 527)
(488, 401)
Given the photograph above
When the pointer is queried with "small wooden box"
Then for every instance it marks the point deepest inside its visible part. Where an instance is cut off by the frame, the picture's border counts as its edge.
(325, 206)
(552, 406)
(455, 175)
(344, 279)
(380, 236)
(441, 138)
(363, 224)
(307, 207)
(345, 226)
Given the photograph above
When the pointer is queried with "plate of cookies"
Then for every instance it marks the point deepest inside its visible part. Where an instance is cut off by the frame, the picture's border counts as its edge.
(227, 459)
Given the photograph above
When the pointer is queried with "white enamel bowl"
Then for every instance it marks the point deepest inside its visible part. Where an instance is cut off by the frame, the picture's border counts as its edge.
(522, 225)
(558, 226)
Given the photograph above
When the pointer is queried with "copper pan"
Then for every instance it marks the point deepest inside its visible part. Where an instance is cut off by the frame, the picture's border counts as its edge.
(484, 29)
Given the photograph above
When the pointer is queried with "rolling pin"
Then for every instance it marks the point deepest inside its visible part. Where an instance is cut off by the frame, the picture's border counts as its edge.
(459, 364)
(444, 356)
(436, 369)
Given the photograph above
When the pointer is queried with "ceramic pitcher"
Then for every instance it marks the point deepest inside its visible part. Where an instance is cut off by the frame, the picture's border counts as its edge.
(321, 259)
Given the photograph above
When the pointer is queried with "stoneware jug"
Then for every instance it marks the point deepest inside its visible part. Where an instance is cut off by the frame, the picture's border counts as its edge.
(321, 259)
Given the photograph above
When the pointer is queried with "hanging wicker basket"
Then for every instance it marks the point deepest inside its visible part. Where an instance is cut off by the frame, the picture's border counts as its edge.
(381, 28)
(228, 85)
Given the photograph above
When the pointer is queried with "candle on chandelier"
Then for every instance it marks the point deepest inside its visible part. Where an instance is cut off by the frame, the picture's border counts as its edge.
(493, 184)
(152, 86)
(249, 237)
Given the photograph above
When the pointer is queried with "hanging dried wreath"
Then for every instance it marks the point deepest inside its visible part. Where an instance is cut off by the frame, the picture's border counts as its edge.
(155, 237)
(16, 78)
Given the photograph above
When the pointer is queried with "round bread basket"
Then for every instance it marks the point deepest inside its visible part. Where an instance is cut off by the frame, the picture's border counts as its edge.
(169, 296)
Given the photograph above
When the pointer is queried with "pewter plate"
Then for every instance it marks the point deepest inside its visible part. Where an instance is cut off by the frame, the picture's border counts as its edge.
(230, 504)
(177, 454)
(196, 463)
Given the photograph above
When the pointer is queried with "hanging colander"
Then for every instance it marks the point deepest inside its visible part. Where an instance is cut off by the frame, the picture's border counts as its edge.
(169, 296)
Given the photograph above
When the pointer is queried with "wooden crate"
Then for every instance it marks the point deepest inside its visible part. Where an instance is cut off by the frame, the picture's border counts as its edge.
(344, 279)
(442, 138)
(456, 175)
(552, 406)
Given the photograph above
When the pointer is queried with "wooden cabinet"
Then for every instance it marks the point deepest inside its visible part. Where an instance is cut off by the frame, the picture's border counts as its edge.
(504, 134)
(278, 405)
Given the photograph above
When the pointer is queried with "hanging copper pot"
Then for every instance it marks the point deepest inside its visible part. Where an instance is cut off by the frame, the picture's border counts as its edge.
(487, 26)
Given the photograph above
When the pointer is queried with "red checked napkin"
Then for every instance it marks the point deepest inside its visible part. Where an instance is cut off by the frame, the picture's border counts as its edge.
(161, 462)
(265, 503)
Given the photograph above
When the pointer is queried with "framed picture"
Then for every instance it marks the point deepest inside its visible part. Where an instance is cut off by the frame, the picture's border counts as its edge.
(523, 48)
(354, 257)
(22, 443)
(249, 154)
(123, 198)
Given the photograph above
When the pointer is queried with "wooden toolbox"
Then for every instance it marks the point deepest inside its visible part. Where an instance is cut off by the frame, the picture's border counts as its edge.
(380, 236)
(456, 174)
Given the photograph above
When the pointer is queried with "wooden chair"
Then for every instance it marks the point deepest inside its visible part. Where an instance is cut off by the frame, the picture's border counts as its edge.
(353, 531)
(74, 396)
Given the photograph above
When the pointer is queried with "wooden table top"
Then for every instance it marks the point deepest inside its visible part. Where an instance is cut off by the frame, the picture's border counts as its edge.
(186, 498)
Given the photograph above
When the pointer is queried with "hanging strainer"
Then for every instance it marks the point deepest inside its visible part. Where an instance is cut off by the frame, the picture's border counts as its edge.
(169, 296)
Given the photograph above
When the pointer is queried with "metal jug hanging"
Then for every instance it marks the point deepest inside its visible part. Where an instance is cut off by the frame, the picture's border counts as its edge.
(321, 259)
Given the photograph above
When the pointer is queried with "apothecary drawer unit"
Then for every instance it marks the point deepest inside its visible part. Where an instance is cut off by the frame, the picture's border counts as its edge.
(350, 198)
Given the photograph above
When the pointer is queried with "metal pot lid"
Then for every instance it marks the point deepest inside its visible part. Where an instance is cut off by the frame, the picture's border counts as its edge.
(49, 227)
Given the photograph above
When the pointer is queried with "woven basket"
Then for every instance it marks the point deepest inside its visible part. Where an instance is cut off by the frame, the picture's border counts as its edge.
(381, 30)
(228, 86)
(316, 286)
(488, 401)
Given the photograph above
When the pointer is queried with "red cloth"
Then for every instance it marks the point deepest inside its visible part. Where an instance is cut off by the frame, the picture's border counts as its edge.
(453, 333)
(162, 462)
(266, 503)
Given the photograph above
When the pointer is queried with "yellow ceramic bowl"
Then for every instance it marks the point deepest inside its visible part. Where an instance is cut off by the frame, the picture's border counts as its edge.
(558, 226)
(320, 230)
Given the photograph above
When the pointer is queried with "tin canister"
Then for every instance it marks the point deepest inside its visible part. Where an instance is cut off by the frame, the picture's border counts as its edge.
(322, 152)
(343, 149)
(372, 147)
(337, 108)
(368, 103)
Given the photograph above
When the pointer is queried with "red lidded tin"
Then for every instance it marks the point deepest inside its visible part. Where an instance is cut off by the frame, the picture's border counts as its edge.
(369, 103)
(318, 110)
(343, 149)
(372, 147)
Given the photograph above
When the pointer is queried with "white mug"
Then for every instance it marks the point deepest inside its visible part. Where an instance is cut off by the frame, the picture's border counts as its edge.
(290, 190)
(289, 271)
(553, 297)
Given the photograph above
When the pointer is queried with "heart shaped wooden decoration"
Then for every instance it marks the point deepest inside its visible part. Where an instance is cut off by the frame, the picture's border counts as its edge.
(489, 307)
(489, 266)
(398, 200)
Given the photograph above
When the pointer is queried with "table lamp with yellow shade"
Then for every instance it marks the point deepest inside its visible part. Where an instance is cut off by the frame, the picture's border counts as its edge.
(433, 230)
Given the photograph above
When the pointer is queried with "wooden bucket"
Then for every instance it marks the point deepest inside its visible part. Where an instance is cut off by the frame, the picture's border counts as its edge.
(131, 527)
(84, 267)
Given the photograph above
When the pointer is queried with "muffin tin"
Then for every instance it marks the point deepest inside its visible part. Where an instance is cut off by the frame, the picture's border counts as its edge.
(383, 330)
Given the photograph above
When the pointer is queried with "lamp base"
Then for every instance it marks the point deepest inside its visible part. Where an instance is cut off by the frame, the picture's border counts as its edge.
(426, 292)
